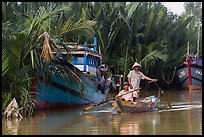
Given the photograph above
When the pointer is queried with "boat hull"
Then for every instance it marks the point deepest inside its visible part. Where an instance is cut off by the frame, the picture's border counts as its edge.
(137, 106)
(183, 77)
(63, 90)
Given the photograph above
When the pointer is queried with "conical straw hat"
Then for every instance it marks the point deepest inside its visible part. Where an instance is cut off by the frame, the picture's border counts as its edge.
(136, 65)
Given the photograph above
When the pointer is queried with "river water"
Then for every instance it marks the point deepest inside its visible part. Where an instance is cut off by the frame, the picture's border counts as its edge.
(185, 118)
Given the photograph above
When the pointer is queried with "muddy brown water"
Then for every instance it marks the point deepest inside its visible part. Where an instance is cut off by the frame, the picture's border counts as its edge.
(185, 118)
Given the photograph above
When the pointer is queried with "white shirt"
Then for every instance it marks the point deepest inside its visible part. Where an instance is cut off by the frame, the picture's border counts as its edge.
(127, 96)
(136, 78)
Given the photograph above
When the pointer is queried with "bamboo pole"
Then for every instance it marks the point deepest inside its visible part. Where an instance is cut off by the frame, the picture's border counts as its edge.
(188, 49)
(198, 42)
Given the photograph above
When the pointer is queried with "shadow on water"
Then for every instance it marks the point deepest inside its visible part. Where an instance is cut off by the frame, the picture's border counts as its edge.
(185, 117)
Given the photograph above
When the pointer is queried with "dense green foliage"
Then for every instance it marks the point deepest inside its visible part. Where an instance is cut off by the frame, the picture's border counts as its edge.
(138, 31)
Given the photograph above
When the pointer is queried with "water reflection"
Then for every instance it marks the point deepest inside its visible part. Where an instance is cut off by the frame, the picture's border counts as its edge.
(71, 122)
(12, 125)
(135, 124)
(62, 121)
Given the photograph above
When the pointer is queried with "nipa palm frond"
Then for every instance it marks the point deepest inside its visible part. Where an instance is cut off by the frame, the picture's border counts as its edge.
(27, 102)
(5, 62)
(70, 25)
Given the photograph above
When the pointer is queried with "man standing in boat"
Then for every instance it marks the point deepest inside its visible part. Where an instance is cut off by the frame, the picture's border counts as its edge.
(134, 78)
(103, 71)
(103, 74)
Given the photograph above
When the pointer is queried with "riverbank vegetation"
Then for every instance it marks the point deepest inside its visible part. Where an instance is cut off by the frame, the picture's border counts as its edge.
(145, 32)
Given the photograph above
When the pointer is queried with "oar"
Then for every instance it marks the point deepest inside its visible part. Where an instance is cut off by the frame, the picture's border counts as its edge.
(97, 104)
(162, 92)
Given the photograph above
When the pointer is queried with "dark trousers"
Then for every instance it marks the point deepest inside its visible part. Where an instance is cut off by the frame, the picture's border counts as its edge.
(134, 98)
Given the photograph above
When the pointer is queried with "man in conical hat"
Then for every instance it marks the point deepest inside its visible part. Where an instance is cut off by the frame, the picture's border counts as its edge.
(134, 78)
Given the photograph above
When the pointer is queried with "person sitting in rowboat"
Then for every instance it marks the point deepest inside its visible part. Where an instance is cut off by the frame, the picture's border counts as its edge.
(126, 97)
(134, 78)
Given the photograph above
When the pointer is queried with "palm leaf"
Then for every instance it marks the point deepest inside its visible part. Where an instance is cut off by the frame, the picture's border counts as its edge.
(22, 73)
(132, 9)
(150, 59)
(5, 62)
(69, 25)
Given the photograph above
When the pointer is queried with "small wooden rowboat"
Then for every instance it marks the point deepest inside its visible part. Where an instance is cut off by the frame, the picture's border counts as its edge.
(141, 105)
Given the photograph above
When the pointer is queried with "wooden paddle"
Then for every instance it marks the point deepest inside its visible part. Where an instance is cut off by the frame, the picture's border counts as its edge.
(97, 104)
(161, 92)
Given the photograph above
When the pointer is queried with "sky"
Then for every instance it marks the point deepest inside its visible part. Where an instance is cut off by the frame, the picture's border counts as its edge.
(175, 7)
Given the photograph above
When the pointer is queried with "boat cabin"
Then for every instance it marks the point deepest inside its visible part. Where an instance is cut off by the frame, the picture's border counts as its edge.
(86, 59)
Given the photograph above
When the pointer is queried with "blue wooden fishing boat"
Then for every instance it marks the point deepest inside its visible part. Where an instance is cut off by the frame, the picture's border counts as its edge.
(190, 72)
(78, 86)
(190, 78)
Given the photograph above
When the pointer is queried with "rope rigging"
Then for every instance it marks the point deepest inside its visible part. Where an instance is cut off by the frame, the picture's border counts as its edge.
(168, 82)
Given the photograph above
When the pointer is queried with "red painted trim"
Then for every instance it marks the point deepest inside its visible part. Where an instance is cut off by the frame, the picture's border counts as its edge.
(189, 72)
